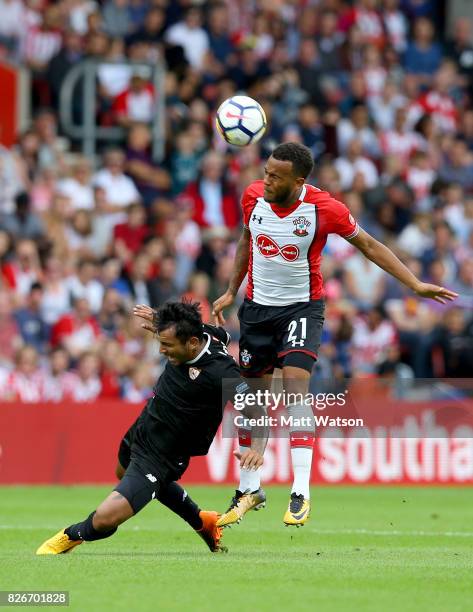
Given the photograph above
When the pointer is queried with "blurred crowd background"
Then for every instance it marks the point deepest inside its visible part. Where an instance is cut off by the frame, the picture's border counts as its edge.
(378, 89)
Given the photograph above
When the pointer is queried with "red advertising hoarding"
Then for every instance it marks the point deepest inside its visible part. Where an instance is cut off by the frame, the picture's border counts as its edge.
(77, 443)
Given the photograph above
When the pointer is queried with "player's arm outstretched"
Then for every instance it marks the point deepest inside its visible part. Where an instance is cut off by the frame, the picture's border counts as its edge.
(379, 254)
(240, 270)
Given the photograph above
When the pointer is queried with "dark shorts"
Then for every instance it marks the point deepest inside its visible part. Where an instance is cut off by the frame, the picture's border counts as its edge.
(124, 450)
(271, 335)
(145, 476)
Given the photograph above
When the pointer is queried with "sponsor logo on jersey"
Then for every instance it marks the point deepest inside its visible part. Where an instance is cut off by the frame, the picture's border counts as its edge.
(270, 248)
(193, 373)
(151, 478)
(256, 218)
(245, 358)
(351, 219)
(301, 224)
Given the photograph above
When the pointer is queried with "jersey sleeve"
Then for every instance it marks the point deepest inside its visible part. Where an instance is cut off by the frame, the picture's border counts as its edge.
(234, 387)
(219, 333)
(248, 200)
(340, 221)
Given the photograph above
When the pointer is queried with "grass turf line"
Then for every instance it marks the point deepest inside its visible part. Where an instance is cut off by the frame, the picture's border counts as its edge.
(366, 548)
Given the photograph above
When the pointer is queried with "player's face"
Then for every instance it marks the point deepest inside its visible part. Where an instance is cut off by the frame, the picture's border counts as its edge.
(177, 352)
(280, 183)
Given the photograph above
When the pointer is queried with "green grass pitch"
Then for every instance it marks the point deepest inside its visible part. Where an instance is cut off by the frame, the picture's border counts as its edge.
(365, 548)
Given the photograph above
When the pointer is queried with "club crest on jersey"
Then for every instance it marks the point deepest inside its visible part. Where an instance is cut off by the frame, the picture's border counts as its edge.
(193, 373)
(245, 358)
(301, 224)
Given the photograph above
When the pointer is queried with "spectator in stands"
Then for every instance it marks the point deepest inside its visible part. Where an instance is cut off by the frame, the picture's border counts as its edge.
(23, 269)
(151, 180)
(77, 331)
(455, 340)
(25, 382)
(85, 285)
(10, 338)
(33, 328)
(116, 18)
(191, 36)
(78, 187)
(87, 386)
(66, 57)
(164, 286)
(141, 287)
(12, 179)
(112, 313)
(119, 189)
(24, 223)
(129, 236)
(80, 235)
(355, 165)
(56, 298)
(373, 334)
(114, 366)
(138, 387)
(11, 27)
(458, 167)
(199, 286)
(59, 381)
(214, 201)
(152, 29)
(423, 55)
(42, 42)
(137, 101)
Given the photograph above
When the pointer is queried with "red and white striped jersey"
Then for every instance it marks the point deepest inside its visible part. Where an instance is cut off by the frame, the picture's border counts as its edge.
(286, 243)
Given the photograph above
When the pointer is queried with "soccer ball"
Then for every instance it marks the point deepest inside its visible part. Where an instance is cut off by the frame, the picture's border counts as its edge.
(241, 120)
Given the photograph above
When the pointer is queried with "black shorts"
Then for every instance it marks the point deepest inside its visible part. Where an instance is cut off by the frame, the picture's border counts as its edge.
(145, 478)
(269, 334)
(124, 450)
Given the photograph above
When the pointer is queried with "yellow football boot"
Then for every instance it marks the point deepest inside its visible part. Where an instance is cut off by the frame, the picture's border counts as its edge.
(58, 544)
(241, 504)
(298, 511)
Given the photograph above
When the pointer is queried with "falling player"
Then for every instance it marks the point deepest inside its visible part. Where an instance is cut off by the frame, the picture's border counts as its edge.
(286, 224)
(179, 422)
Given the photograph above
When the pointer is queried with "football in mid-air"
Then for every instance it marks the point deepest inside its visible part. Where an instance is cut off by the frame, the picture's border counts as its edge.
(241, 120)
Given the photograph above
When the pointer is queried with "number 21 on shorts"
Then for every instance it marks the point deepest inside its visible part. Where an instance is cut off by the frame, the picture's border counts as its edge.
(296, 337)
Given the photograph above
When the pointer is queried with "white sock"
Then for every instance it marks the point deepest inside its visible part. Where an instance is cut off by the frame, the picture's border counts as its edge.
(302, 442)
(301, 465)
(249, 479)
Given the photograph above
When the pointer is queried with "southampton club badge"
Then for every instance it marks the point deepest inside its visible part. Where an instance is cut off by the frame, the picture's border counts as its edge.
(245, 358)
(193, 373)
(301, 224)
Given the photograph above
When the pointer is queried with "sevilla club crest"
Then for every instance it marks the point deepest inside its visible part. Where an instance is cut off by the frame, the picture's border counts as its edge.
(301, 224)
(193, 373)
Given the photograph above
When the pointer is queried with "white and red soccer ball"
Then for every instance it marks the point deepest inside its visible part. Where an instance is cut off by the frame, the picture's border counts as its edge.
(241, 120)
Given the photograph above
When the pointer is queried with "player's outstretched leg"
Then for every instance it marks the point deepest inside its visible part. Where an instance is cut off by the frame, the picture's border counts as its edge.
(177, 499)
(249, 495)
(204, 522)
(102, 523)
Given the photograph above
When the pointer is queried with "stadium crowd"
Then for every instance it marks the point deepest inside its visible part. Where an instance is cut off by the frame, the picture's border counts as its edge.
(376, 88)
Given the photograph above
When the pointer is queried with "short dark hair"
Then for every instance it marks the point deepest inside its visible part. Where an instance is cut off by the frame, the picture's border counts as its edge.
(298, 154)
(184, 316)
